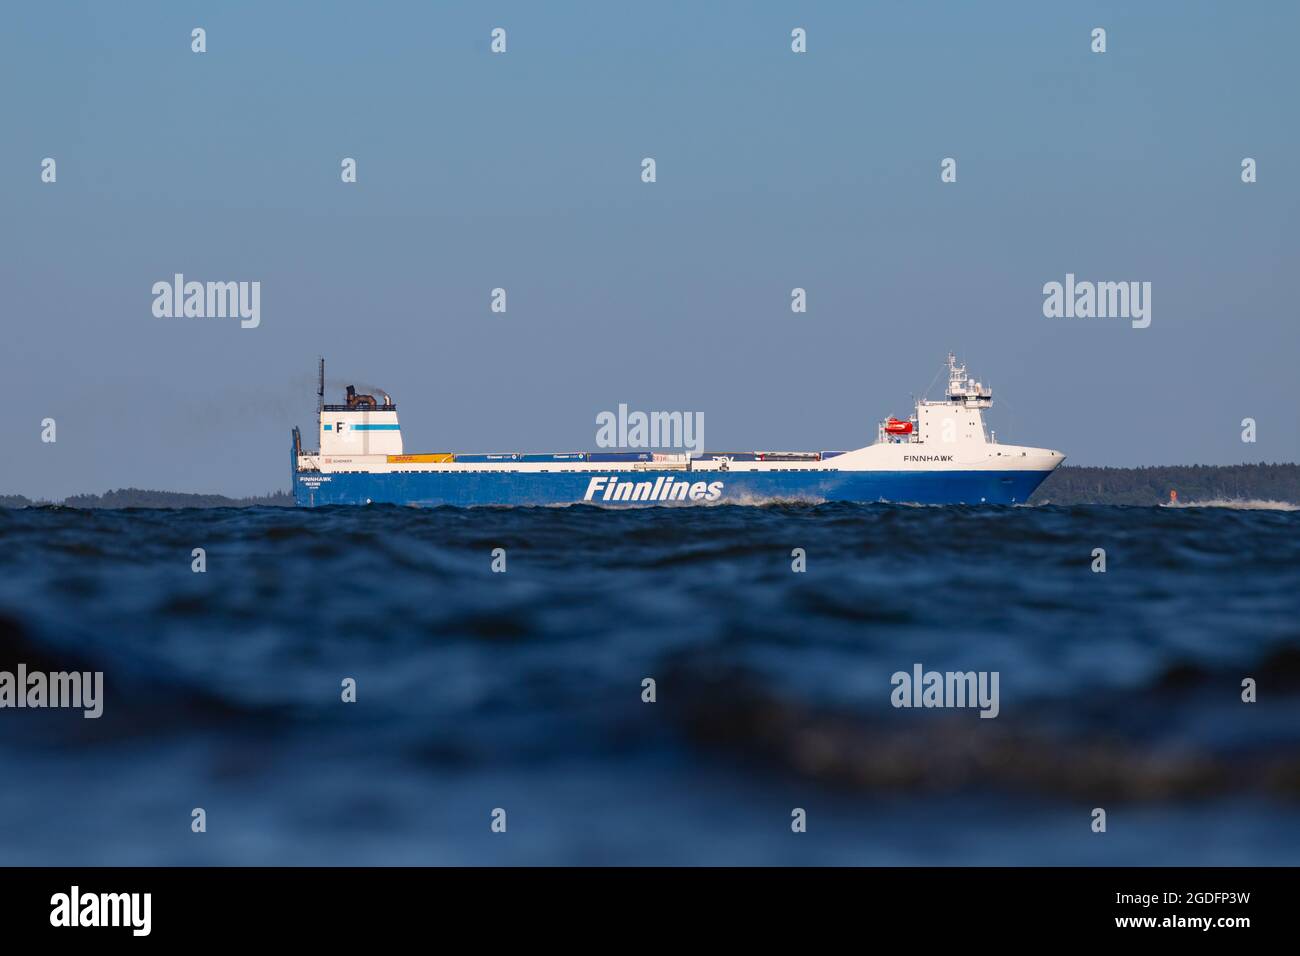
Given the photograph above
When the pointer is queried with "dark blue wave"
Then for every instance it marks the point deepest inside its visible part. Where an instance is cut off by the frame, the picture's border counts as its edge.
(479, 689)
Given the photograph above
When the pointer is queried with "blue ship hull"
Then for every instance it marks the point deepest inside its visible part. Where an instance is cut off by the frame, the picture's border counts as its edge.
(467, 489)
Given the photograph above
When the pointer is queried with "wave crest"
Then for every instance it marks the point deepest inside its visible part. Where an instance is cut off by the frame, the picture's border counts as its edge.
(1238, 504)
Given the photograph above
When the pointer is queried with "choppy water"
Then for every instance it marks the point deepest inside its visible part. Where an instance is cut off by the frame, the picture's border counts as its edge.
(522, 690)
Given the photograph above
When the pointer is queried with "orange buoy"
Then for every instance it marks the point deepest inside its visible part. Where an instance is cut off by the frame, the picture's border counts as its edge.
(1173, 497)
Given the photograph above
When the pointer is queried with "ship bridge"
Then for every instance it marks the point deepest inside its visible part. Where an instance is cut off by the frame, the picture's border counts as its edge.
(955, 418)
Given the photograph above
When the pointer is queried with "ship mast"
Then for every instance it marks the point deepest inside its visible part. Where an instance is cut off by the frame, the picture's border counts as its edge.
(320, 390)
(965, 390)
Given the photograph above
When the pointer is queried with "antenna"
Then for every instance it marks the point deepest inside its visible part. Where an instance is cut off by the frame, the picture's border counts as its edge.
(320, 388)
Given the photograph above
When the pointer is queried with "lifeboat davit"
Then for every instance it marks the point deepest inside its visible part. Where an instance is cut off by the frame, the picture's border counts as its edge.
(894, 426)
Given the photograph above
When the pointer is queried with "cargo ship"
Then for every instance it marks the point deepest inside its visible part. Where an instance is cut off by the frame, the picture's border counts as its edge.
(941, 454)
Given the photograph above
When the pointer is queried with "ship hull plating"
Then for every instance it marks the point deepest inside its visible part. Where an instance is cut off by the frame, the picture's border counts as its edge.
(469, 489)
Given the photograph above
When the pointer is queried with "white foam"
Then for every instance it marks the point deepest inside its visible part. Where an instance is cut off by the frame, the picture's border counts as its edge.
(1237, 504)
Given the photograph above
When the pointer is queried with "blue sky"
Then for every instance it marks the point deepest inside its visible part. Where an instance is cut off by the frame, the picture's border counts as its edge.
(522, 171)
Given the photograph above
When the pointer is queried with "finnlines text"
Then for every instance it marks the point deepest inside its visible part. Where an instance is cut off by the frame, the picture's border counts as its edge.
(663, 488)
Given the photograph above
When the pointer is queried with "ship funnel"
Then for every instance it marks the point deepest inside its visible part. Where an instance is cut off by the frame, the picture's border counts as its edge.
(360, 401)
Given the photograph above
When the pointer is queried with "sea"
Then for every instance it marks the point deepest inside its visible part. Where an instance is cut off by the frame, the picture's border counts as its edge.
(711, 685)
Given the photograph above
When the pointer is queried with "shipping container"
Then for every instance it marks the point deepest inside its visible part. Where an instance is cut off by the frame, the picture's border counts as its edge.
(832, 454)
(618, 457)
(436, 457)
(488, 458)
(788, 456)
(567, 456)
(732, 455)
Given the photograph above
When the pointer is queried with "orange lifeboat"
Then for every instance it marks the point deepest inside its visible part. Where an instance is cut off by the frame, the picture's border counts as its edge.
(894, 426)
